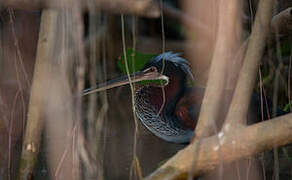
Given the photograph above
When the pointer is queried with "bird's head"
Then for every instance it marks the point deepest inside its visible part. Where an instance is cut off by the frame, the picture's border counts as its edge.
(176, 69)
(168, 66)
(155, 106)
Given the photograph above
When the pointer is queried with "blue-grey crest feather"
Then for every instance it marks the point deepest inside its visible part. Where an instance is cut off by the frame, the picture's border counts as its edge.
(176, 60)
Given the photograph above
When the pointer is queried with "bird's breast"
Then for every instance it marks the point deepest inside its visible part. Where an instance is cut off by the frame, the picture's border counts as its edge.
(164, 124)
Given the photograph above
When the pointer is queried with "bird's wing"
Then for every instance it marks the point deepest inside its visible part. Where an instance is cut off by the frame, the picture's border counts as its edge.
(188, 107)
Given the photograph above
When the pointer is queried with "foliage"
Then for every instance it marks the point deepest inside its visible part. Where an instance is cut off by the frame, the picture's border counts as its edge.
(136, 61)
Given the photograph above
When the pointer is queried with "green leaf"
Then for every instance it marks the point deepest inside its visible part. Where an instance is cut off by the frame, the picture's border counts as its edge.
(285, 48)
(157, 82)
(287, 107)
(136, 61)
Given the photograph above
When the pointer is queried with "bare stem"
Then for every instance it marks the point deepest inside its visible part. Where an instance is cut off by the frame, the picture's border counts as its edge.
(247, 77)
(228, 17)
(142, 7)
(235, 144)
(35, 117)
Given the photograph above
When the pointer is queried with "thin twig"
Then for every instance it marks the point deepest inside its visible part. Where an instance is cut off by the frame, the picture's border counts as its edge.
(16, 44)
(138, 169)
(135, 164)
(289, 78)
(275, 97)
(11, 126)
(162, 51)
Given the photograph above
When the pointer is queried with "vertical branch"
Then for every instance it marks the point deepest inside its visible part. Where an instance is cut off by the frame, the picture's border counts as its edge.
(163, 50)
(289, 77)
(241, 98)
(79, 147)
(135, 158)
(35, 117)
(61, 129)
(275, 94)
(211, 105)
(96, 115)
(135, 164)
(202, 37)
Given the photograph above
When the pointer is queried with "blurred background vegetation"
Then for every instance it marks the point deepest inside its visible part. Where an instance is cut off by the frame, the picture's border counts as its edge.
(107, 118)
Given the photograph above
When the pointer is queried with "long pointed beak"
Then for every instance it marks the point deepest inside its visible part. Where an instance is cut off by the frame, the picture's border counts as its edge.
(148, 74)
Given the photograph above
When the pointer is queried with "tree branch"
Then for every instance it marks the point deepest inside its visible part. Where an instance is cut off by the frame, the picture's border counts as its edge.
(35, 117)
(237, 142)
(189, 21)
(141, 8)
(282, 23)
(228, 18)
(229, 146)
(247, 77)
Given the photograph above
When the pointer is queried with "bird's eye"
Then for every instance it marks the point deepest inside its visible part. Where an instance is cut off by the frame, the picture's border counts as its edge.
(151, 69)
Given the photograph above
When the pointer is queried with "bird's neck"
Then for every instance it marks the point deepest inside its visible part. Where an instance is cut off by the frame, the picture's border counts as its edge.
(166, 97)
(164, 124)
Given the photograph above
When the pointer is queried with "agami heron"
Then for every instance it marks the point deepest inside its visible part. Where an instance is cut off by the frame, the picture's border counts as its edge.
(169, 112)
